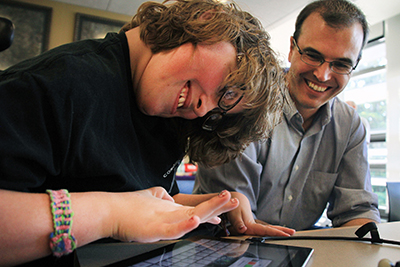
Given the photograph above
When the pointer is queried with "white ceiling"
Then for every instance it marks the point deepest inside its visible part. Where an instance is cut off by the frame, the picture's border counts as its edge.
(271, 12)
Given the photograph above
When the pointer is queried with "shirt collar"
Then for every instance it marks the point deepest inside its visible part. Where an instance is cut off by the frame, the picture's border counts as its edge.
(291, 113)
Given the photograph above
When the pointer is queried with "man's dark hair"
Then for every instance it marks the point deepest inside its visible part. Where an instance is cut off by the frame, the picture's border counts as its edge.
(336, 13)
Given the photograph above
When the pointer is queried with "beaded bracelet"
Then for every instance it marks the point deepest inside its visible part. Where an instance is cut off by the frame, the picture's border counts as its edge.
(62, 242)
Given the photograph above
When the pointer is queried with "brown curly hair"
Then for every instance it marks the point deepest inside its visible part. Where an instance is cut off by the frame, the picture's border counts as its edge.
(168, 25)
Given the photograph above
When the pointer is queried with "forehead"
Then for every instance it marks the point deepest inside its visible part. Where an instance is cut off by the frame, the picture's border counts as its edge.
(341, 42)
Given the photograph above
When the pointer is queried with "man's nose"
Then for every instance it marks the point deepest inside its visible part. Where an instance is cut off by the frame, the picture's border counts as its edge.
(323, 72)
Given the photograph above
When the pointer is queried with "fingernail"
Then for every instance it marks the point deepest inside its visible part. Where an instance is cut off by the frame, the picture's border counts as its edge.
(234, 200)
(223, 193)
(241, 227)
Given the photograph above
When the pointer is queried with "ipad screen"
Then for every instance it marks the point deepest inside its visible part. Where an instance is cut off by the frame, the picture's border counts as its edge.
(221, 252)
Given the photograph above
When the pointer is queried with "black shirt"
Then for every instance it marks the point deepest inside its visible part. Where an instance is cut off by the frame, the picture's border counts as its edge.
(69, 119)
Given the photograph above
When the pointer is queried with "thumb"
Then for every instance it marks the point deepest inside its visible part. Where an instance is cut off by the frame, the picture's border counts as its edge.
(237, 224)
(160, 192)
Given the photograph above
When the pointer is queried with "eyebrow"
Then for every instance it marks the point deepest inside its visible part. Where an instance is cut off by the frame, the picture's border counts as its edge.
(344, 59)
(222, 90)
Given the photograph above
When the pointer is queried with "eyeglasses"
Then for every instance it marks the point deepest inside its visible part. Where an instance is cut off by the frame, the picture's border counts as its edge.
(228, 101)
(316, 60)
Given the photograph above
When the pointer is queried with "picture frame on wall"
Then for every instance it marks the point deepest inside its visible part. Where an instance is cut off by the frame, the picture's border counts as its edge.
(31, 33)
(94, 27)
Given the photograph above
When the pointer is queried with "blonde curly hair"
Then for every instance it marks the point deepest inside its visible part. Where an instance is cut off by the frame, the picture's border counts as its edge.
(168, 25)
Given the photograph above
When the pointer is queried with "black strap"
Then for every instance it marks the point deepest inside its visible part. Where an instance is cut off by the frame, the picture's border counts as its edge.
(372, 229)
(361, 232)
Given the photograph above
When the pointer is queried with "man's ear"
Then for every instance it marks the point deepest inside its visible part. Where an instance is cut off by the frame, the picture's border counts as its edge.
(292, 49)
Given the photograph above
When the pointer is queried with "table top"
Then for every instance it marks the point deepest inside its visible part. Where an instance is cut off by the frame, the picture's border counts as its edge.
(349, 253)
(326, 252)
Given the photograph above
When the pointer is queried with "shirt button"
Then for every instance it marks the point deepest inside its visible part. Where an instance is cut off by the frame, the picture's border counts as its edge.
(296, 167)
(290, 198)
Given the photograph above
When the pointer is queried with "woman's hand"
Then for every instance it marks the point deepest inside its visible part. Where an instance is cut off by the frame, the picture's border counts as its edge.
(151, 215)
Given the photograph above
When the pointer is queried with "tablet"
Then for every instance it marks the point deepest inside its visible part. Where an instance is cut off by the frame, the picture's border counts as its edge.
(195, 252)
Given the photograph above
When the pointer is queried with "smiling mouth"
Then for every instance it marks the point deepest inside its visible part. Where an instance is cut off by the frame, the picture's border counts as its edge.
(316, 87)
(183, 96)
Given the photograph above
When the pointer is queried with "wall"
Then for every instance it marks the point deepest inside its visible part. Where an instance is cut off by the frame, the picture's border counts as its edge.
(393, 101)
(63, 19)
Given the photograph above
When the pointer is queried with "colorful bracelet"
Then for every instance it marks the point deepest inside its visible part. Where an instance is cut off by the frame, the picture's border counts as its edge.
(62, 242)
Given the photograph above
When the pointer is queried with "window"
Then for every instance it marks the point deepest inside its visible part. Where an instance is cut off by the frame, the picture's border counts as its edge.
(367, 88)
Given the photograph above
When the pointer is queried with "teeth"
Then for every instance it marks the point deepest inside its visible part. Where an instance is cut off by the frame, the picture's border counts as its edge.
(316, 87)
(183, 92)
(182, 98)
(181, 101)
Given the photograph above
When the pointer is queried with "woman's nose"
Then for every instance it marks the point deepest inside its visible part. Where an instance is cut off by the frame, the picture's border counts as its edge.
(204, 105)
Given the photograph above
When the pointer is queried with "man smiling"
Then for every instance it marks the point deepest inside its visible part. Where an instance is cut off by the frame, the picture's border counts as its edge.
(314, 83)
(318, 153)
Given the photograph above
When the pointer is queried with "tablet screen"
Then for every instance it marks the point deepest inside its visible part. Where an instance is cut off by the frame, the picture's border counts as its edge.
(221, 252)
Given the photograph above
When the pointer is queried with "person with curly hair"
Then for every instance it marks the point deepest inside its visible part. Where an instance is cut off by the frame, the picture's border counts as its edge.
(99, 127)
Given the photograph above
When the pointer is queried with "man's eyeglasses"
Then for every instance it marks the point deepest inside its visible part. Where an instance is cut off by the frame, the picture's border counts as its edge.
(228, 101)
(316, 60)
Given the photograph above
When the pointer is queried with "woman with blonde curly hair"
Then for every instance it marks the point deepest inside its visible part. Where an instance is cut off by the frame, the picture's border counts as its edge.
(110, 120)
(257, 77)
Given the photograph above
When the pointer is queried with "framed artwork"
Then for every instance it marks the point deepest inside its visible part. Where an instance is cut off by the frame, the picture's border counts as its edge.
(93, 27)
(31, 34)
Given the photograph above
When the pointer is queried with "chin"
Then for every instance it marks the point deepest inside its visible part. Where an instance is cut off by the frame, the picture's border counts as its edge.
(186, 116)
(148, 112)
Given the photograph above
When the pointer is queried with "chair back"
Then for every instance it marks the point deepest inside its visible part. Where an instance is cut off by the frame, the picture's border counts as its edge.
(393, 189)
